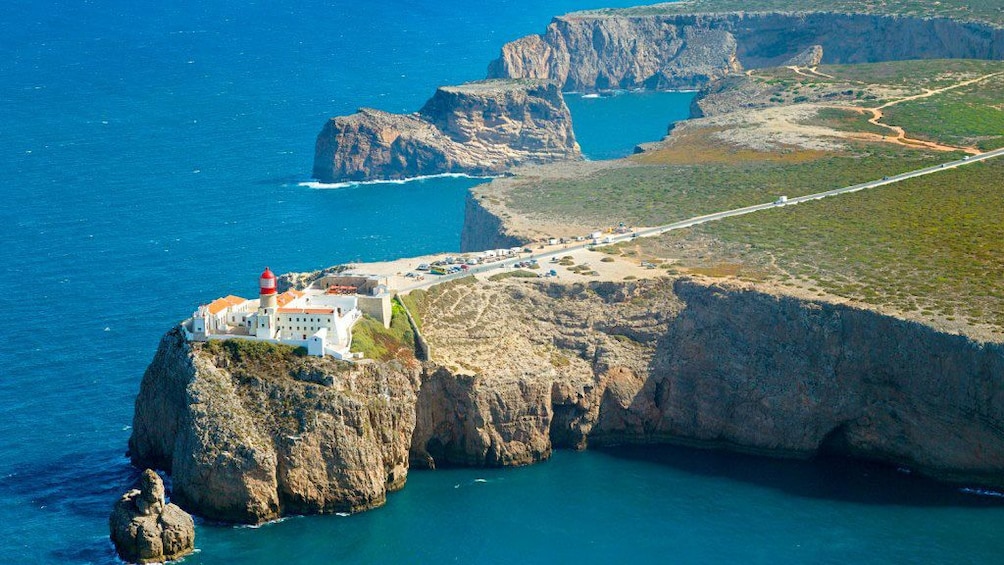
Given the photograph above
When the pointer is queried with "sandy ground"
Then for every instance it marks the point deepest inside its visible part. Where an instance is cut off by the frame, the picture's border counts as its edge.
(615, 270)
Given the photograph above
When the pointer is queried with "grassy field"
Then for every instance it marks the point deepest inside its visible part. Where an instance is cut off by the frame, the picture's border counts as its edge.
(933, 245)
(980, 10)
(380, 343)
(659, 194)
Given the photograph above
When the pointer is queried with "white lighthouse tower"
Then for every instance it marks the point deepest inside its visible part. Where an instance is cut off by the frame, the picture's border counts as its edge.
(267, 305)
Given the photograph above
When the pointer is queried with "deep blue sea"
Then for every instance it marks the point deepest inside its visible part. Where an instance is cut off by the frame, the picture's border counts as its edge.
(151, 156)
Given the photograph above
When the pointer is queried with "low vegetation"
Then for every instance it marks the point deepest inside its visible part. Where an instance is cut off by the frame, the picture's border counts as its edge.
(244, 351)
(377, 342)
(978, 10)
(518, 274)
(968, 116)
(971, 115)
(933, 246)
(653, 195)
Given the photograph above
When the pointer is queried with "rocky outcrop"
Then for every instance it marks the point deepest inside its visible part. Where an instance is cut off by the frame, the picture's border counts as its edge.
(251, 432)
(783, 375)
(521, 367)
(483, 230)
(588, 52)
(723, 366)
(808, 58)
(479, 128)
(145, 529)
(474, 421)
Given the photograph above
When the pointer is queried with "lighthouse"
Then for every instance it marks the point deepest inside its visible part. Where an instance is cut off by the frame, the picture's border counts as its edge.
(266, 289)
(267, 305)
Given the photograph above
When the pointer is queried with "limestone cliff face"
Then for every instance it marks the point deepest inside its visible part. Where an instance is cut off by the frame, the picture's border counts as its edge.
(249, 437)
(521, 367)
(477, 421)
(709, 365)
(587, 52)
(782, 375)
(479, 128)
(526, 367)
(483, 230)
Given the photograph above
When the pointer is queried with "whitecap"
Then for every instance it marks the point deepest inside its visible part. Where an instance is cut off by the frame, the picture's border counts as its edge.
(318, 184)
(982, 492)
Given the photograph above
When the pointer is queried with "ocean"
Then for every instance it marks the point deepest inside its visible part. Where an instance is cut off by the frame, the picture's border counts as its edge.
(154, 156)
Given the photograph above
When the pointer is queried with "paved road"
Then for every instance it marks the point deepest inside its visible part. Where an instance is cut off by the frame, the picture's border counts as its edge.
(658, 230)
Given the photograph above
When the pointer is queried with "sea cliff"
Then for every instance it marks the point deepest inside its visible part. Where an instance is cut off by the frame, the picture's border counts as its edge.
(482, 229)
(595, 51)
(523, 367)
(479, 128)
(251, 431)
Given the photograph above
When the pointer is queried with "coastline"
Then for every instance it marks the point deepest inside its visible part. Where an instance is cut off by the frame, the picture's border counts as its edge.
(616, 379)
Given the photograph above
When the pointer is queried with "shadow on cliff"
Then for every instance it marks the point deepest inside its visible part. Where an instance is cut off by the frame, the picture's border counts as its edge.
(860, 393)
(81, 484)
(825, 477)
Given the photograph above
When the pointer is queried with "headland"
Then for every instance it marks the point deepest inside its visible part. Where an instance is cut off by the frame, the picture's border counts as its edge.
(858, 325)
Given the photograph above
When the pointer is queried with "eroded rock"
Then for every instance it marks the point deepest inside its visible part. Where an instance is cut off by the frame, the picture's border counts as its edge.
(591, 51)
(145, 529)
(478, 128)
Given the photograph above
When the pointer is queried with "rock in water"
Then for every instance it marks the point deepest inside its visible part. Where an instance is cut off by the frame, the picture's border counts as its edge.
(146, 530)
(478, 128)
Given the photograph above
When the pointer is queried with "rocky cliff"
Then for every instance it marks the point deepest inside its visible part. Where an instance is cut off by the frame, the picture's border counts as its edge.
(251, 432)
(521, 367)
(587, 52)
(482, 229)
(714, 365)
(479, 128)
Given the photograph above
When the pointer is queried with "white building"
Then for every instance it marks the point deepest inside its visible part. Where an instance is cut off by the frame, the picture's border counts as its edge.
(318, 319)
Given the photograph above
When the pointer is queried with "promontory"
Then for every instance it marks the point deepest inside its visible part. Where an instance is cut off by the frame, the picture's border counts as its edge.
(478, 128)
(866, 324)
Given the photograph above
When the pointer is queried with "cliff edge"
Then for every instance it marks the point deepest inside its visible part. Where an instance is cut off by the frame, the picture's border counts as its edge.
(521, 367)
(252, 431)
(478, 128)
(592, 51)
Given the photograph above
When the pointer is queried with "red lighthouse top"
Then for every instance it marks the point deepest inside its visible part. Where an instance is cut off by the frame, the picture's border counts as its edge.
(267, 282)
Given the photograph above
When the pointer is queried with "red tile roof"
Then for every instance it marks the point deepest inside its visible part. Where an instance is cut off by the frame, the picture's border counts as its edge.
(221, 304)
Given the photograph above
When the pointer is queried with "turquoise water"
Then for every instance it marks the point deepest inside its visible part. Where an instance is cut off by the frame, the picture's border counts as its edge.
(611, 126)
(151, 157)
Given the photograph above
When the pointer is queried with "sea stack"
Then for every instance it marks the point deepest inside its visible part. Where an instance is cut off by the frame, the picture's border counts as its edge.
(145, 529)
(478, 128)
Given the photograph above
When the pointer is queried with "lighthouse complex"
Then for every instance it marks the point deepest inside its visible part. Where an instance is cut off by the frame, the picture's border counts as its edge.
(319, 317)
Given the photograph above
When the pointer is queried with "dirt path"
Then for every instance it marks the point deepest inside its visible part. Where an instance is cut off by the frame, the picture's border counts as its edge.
(812, 72)
(928, 92)
(899, 135)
